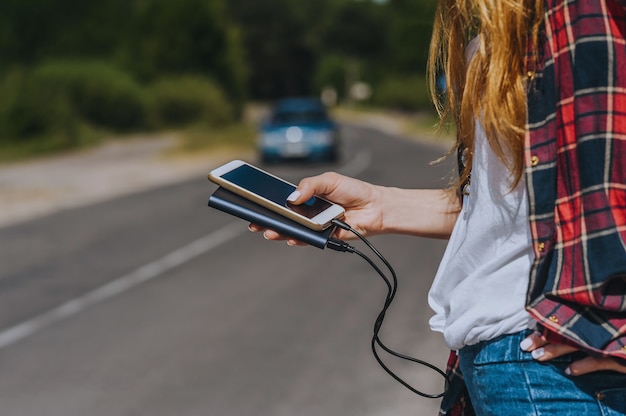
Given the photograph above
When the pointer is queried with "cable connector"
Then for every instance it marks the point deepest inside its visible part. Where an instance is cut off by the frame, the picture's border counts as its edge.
(339, 245)
(342, 224)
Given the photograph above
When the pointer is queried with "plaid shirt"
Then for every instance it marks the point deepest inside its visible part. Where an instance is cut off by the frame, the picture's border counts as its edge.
(576, 175)
(575, 158)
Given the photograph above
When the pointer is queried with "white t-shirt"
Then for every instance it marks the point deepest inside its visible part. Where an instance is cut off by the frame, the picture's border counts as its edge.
(480, 287)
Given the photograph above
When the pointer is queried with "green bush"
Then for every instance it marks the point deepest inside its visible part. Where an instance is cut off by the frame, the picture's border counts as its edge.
(28, 111)
(63, 105)
(188, 99)
(404, 93)
(98, 93)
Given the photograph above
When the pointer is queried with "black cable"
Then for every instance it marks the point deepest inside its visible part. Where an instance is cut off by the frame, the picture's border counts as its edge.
(392, 287)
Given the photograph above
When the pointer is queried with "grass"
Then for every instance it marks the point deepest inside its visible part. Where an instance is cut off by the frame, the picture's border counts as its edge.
(36, 147)
(202, 140)
(198, 140)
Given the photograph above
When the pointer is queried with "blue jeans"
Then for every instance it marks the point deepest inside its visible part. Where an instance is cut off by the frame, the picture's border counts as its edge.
(504, 380)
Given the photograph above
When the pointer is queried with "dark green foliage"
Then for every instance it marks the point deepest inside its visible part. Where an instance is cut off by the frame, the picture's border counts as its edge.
(61, 104)
(186, 37)
(67, 101)
(37, 30)
(358, 30)
(37, 119)
(296, 47)
(72, 69)
(183, 100)
(29, 110)
(404, 93)
(178, 37)
(331, 72)
(97, 92)
(409, 34)
(282, 43)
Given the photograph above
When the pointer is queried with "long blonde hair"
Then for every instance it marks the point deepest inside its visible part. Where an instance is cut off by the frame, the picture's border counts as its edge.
(490, 88)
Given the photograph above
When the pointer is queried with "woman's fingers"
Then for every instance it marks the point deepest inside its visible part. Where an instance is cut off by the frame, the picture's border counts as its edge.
(532, 342)
(273, 235)
(255, 228)
(322, 185)
(591, 364)
(543, 351)
(550, 351)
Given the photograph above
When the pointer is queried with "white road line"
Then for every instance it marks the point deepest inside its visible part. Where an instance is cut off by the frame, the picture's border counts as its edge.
(358, 164)
(122, 284)
(148, 271)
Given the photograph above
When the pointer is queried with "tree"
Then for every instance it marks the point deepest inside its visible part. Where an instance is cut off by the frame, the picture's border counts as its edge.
(37, 30)
(185, 37)
(410, 32)
(283, 43)
(358, 33)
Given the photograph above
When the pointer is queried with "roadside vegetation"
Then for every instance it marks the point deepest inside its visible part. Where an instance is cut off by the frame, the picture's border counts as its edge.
(73, 74)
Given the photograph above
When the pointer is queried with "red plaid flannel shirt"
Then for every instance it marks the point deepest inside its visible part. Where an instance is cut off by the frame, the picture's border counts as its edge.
(576, 175)
(575, 158)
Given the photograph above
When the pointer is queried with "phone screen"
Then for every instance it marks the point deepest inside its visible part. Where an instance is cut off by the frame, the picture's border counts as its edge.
(273, 190)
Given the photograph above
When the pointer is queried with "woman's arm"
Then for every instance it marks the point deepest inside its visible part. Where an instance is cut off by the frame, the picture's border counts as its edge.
(420, 212)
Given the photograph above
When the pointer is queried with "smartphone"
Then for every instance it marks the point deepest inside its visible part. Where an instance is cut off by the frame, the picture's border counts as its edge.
(271, 192)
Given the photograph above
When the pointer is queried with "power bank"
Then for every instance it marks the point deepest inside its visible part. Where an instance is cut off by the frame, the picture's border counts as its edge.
(245, 209)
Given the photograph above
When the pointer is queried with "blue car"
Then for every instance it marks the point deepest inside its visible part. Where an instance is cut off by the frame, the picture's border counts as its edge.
(299, 128)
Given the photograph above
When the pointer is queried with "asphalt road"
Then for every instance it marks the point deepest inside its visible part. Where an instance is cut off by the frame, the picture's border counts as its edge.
(154, 304)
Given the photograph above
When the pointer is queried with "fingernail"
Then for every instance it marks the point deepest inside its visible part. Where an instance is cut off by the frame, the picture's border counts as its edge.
(293, 196)
(538, 353)
(526, 344)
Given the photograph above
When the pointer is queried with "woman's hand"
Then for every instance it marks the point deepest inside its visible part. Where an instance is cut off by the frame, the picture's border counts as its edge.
(372, 209)
(542, 350)
(361, 200)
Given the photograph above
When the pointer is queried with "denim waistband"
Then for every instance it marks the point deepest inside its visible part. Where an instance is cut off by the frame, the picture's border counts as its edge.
(504, 348)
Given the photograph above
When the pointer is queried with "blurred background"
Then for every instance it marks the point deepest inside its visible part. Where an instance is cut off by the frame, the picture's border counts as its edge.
(121, 293)
(74, 72)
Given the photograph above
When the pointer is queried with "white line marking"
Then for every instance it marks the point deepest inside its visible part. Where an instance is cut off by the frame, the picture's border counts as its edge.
(357, 165)
(122, 284)
(147, 272)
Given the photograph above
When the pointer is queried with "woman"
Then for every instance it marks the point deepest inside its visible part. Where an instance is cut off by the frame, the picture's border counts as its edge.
(537, 227)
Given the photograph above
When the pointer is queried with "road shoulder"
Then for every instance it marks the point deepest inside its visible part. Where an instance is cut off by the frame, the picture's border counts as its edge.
(39, 187)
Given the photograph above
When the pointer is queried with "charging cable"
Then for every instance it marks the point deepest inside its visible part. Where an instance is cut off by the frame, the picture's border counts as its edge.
(392, 287)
